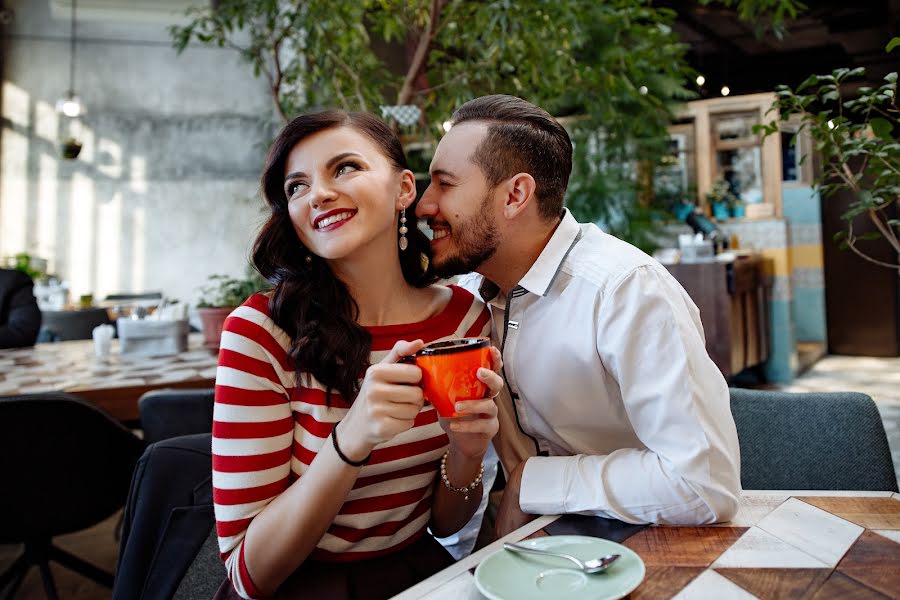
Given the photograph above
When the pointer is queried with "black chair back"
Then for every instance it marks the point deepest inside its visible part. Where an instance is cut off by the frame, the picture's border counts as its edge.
(175, 412)
(66, 466)
(65, 325)
(811, 441)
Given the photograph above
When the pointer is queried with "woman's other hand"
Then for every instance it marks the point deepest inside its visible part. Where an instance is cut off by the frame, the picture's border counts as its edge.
(388, 402)
(471, 434)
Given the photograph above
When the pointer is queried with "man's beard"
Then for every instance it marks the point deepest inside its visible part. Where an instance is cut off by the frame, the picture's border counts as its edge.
(476, 240)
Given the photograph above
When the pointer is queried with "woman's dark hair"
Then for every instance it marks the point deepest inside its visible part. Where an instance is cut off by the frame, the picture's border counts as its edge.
(308, 301)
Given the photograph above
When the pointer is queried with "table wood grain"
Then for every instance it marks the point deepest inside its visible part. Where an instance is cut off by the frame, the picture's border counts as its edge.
(819, 545)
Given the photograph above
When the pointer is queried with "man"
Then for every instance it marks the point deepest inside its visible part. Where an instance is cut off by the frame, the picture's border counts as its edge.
(603, 351)
(20, 317)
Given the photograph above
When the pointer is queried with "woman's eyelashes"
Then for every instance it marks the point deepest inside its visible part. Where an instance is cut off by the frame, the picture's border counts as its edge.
(346, 167)
(295, 187)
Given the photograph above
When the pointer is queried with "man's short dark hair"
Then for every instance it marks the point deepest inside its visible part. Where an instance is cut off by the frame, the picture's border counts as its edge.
(521, 138)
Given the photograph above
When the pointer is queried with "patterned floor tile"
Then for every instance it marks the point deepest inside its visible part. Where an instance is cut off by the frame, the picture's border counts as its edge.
(812, 530)
(661, 583)
(841, 587)
(875, 561)
(712, 585)
(682, 546)
(872, 513)
(770, 584)
(759, 549)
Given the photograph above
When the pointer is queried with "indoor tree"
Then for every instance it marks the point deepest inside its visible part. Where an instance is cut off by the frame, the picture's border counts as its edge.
(616, 67)
(857, 137)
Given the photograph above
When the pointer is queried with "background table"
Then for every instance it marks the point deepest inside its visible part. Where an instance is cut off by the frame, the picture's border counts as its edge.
(114, 383)
(793, 544)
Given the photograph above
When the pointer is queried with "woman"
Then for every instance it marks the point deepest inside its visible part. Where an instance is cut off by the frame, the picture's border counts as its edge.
(313, 467)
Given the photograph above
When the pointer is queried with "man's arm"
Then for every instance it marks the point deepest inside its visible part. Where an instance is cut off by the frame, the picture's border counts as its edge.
(650, 339)
(24, 317)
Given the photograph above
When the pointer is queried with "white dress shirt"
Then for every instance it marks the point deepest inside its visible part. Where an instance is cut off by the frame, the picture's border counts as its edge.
(605, 361)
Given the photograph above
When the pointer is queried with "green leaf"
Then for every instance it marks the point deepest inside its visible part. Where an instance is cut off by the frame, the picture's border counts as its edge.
(809, 81)
(881, 127)
(870, 235)
(891, 77)
(892, 44)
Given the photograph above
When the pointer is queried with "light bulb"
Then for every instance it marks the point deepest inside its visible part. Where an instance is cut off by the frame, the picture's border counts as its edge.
(726, 90)
(701, 80)
(70, 106)
(643, 90)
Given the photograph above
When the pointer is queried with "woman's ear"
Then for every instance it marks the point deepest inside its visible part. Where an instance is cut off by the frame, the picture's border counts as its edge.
(519, 190)
(407, 189)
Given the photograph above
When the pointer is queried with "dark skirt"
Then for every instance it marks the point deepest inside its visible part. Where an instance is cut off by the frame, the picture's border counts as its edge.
(374, 579)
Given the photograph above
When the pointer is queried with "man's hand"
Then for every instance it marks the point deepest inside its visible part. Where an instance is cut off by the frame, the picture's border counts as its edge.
(509, 515)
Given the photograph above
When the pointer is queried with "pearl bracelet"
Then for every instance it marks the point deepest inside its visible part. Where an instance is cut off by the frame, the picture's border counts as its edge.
(460, 490)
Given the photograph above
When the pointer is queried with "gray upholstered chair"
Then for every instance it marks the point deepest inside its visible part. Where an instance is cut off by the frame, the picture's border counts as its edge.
(811, 441)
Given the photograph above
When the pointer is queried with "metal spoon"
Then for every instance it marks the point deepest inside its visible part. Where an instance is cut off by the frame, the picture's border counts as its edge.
(595, 565)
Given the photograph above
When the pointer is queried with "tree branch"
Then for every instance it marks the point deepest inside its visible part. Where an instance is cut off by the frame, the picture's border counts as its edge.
(852, 245)
(884, 230)
(354, 76)
(421, 53)
(277, 78)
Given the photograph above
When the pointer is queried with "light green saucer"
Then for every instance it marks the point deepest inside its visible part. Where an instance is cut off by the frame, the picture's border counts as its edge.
(505, 575)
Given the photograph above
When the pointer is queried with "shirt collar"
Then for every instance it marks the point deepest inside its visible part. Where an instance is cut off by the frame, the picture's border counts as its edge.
(542, 273)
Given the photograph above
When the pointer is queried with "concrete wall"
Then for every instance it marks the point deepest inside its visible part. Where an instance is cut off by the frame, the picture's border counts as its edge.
(165, 191)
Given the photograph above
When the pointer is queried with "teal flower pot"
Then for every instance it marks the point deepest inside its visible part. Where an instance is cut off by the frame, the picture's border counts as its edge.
(720, 211)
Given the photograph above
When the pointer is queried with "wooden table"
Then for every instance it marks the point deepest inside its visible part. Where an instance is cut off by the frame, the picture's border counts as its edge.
(790, 544)
(114, 383)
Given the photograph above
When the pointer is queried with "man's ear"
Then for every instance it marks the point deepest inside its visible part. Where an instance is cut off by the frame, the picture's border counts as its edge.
(407, 193)
(519, 191)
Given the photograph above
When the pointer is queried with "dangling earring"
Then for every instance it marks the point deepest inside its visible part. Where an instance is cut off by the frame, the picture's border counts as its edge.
(308, 260)
(403, 229)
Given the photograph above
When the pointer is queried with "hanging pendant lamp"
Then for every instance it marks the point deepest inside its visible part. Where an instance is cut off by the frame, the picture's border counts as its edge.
(70, 105)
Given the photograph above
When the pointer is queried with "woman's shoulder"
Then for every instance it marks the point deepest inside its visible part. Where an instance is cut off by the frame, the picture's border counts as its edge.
(462, 295)
(253, 319)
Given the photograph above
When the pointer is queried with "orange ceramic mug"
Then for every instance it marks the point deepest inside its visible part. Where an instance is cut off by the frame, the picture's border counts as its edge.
(449, 371)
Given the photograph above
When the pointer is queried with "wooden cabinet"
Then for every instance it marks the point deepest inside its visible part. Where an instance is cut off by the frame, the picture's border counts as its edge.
(731, 297)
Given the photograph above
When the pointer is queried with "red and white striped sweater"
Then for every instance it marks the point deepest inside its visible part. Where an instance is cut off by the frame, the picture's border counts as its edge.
(267, 430)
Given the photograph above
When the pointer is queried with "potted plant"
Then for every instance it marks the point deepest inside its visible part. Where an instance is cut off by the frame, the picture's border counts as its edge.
(70, 148)
(721, 200)
(220, 296)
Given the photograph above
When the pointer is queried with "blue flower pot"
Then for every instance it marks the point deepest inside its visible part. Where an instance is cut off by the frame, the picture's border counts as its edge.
(720, 211)
(738, 212)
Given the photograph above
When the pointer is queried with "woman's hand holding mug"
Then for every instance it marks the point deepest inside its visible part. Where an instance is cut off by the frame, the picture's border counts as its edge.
(387, 404)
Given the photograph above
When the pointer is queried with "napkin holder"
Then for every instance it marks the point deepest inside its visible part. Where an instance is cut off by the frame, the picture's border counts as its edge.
(143, 337)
